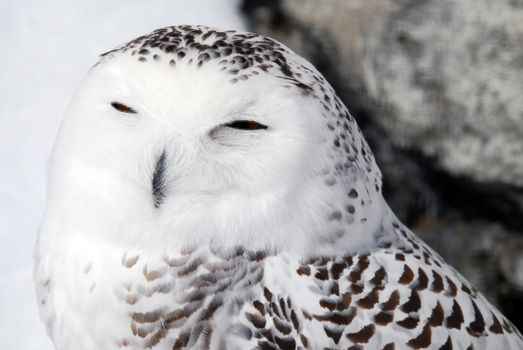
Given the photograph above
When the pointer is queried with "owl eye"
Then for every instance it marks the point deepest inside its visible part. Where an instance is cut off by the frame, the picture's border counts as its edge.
(245, 125)
(122, 108)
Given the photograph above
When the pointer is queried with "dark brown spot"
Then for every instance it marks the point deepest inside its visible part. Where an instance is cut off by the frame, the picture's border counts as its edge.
(344, 302)
(146, 317)
(333, 333)
(466, 289)
(447, 345)
(356, 288)
(423, 340)
(437, 282)
(306, 315)
(174, 316)
(215, 303)
(304, 341)
(283, 308)
(507, 326)
(153, 274)
(334, 288)
(379, 276)
(422, 282)
(257, 256)
(413, 304)
(407, 276)
(286, 343)
(383, 318)
(337, 269)
(349, 260)
(496, 326)
(338, 317)
(304, 270)
(353, 193)
(392, 303)
(130, 262)
(189, 268)
(156, 337)
(453, 288)
(322, 274)
(328, 304)
(275, 309)
(259, 306)
(361, 265)
(371, 299)
(182, 341)
(282, 326)
(456, 317)
(363, 335)
(295, 321)
(195, 295)
(257, 321)
(436, 318)
(478, 326)
(267, 293)
(389, 346)
(408, 322)
(354, 276)
(266, 334)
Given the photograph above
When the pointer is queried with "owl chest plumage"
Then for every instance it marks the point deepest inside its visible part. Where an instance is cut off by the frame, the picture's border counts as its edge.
(104, 297)
(389, 297)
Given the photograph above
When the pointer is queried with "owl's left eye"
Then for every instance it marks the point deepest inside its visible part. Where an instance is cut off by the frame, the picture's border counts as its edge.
(122, 108)
(245, 125)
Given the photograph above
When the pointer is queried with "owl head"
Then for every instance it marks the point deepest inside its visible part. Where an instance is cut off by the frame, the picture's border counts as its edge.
(191, 135)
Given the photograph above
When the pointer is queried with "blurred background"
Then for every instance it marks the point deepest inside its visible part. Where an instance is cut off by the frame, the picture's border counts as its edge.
(436, 86)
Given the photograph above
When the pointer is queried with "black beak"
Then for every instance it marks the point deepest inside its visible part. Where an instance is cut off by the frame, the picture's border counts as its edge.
(158, 183)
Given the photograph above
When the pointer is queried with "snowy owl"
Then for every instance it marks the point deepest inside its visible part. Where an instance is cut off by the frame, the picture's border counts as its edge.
(208, 190)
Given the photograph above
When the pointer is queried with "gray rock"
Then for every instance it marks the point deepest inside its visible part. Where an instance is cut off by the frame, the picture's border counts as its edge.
(450, 73)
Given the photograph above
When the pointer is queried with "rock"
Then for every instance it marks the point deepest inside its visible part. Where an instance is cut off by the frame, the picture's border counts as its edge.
(450, 72)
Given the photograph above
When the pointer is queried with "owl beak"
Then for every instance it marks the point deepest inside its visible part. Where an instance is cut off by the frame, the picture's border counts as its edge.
(158, 181)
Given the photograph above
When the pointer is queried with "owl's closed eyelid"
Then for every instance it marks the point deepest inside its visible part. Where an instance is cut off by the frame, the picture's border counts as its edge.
(245, 125)
(120, 107)
(241, 126)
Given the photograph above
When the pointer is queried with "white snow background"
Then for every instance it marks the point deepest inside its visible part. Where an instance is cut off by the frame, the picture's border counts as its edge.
(46, 48)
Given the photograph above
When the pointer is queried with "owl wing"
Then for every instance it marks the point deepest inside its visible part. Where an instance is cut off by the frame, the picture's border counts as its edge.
(387, 298)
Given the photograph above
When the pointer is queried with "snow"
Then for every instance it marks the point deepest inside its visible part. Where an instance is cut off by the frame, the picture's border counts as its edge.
(47, 48)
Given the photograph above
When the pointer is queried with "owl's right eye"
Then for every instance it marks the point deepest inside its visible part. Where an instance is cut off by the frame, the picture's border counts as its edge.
(122, 108)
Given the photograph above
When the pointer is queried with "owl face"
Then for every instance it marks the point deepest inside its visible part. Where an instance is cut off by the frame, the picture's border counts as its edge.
(182, 146)
(191, 136)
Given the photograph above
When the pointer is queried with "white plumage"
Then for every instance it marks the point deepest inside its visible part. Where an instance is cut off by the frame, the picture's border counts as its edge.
(208, 190)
